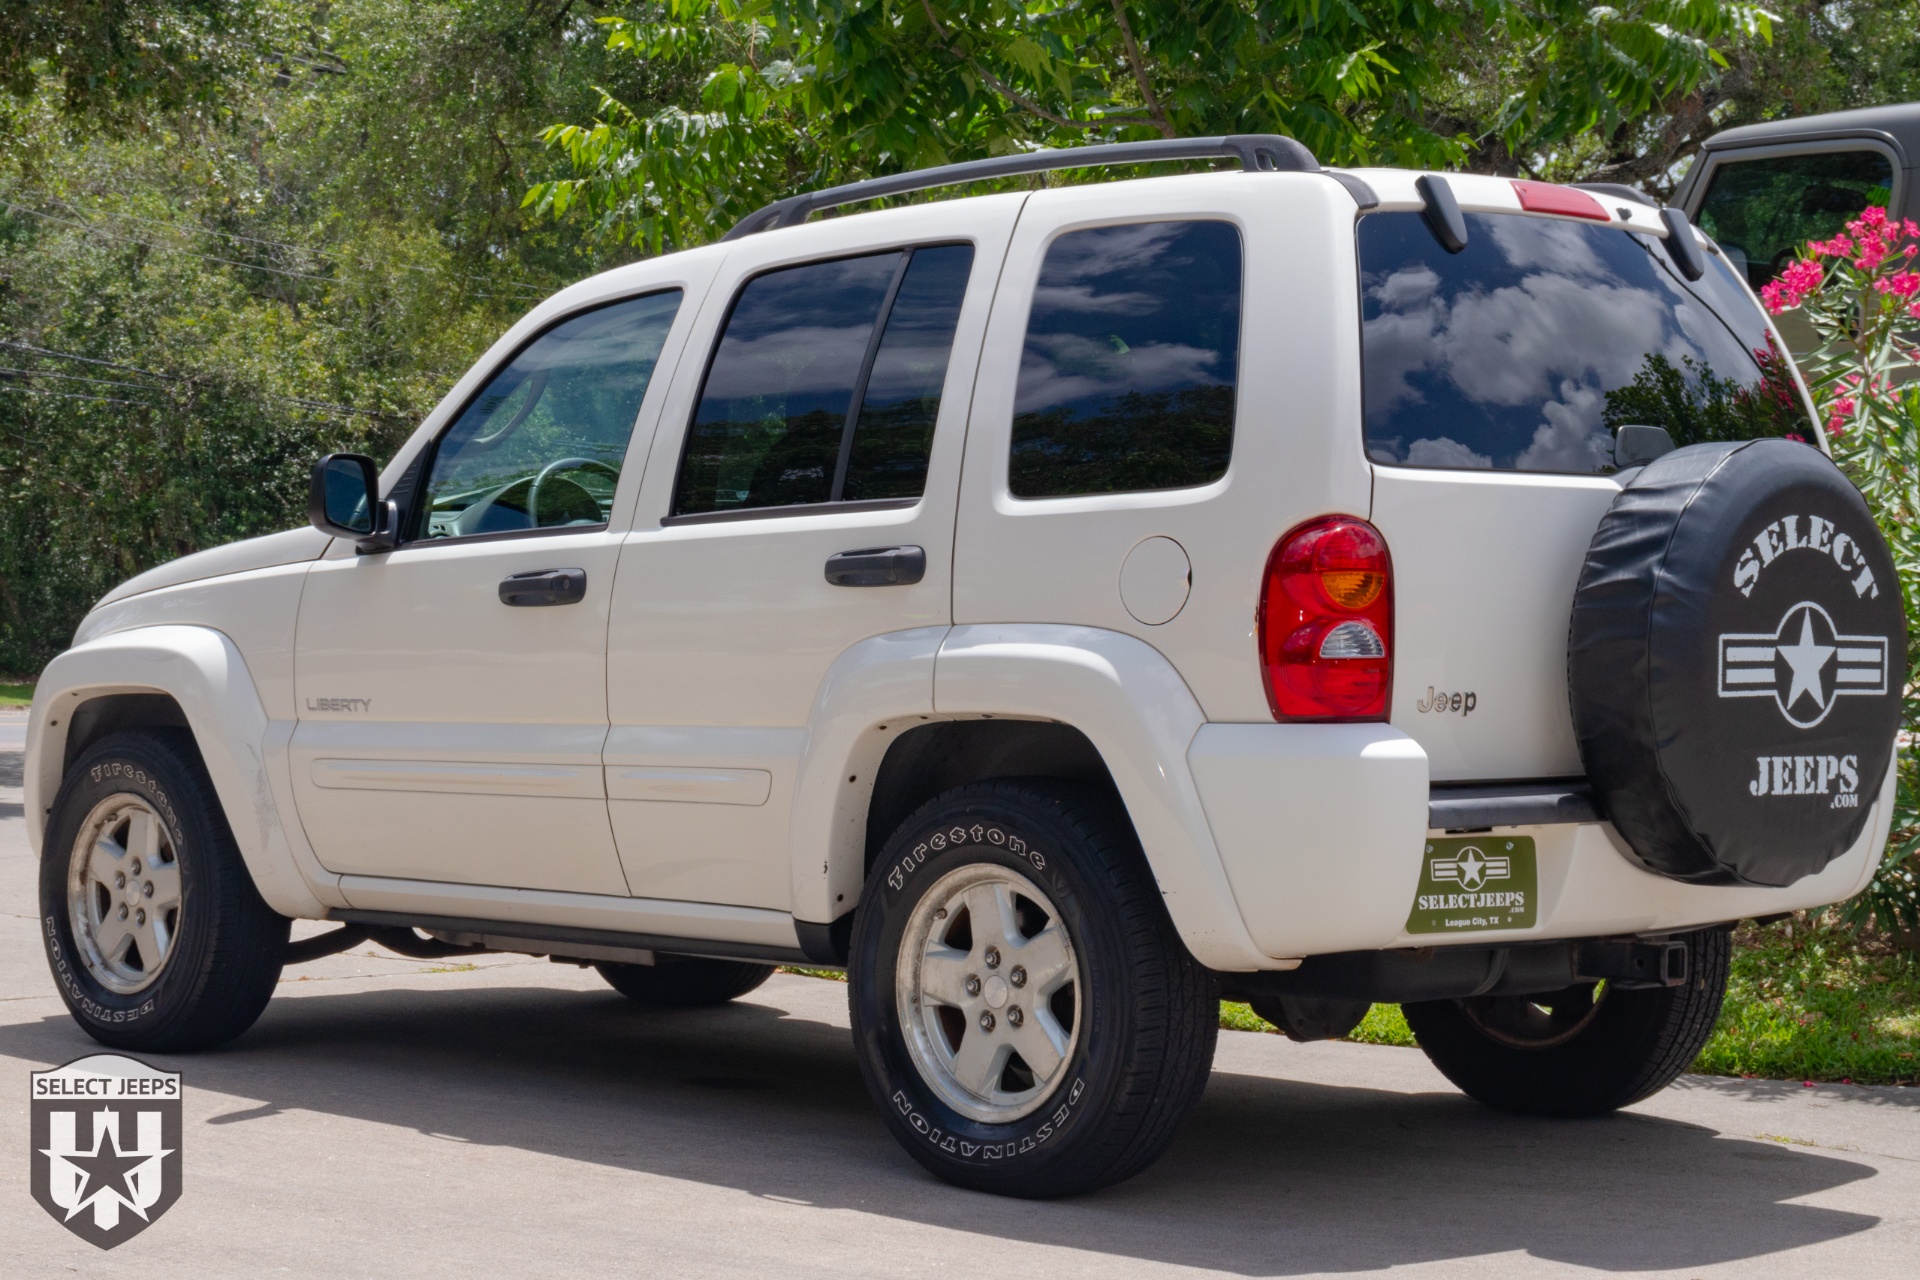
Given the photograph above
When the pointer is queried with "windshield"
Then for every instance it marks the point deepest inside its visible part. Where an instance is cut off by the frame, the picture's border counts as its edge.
(1527, 350)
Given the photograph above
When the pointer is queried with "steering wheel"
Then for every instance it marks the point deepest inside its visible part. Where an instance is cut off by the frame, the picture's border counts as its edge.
(554, 468)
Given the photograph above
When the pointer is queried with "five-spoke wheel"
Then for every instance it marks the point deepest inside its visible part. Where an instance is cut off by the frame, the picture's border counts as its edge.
(123, 894)
(988, 991)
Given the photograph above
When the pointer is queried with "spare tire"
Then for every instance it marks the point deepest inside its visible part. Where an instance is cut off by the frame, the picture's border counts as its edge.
(1735, 662)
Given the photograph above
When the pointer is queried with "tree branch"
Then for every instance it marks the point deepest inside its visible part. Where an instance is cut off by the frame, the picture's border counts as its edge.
(999, 86)
(1154, 110)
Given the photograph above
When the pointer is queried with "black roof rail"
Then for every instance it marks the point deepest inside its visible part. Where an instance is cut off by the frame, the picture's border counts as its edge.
(1256, 152)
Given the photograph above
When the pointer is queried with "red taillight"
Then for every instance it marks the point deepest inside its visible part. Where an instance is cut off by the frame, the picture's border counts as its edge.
(1326, 622)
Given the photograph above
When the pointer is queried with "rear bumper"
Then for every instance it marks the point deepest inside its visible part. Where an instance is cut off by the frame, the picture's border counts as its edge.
(1322, 829)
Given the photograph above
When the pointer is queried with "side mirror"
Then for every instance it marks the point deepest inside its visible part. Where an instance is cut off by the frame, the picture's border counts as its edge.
(343, 501)
(1635, 445)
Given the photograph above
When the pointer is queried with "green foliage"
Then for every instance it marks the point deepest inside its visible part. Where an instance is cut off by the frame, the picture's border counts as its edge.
(192, 310)
(107, 56)
(1808, 1002)
(809, 92)
(1860, 291)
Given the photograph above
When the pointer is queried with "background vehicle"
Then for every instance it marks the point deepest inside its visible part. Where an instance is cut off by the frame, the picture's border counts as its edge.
(1057, 608)
(1764, 190)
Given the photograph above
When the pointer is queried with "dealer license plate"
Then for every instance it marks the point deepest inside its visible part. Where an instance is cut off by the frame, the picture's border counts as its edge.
(1472, 883)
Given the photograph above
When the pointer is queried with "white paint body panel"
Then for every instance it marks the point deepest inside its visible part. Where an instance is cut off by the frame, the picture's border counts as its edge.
(1484, 566)
(205, 673)
(1296, 447)
(730, 624)
(1140, 715)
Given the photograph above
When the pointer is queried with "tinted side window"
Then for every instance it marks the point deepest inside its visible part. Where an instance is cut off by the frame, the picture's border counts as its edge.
(541, 445)
(1526, 350)
(1762, 211)
(826, 383)
(1132, 354)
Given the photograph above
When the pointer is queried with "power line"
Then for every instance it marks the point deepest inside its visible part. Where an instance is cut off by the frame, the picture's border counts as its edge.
(528, 291)
(71, 395)
(172, 377)
(90, 229)
(72, 377)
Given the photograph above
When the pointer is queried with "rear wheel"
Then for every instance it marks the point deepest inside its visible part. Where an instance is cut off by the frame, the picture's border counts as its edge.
(685, 982)
(157, 938)
(1583, 1051)
(1026, 1018)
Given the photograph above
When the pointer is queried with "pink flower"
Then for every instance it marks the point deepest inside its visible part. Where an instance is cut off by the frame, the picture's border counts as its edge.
(1902, 284)
(1838, 247)
(1791, 287)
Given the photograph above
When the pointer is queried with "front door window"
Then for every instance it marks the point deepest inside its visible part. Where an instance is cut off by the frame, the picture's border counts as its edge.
(540, 446)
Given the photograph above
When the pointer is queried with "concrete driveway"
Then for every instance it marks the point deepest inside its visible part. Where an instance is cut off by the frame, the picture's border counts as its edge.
(390, 1117)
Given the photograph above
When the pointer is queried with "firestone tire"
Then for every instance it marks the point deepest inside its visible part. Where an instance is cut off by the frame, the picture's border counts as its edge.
(981, 881)
(139, 806)
(685, 982)
(1569, 1054)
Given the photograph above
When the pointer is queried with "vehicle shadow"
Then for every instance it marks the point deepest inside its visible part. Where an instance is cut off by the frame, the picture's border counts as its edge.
(1272, 1178)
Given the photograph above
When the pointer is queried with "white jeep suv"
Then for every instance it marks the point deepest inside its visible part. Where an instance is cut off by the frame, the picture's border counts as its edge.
(1059, 608)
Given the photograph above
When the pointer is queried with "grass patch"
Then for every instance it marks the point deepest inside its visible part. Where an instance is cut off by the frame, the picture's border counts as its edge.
(831, 975)
(15, 695)
(1809, 1001)
(1382, 1025)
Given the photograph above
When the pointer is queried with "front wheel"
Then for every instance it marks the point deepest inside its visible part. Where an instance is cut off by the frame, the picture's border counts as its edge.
(1026, 1018)
(1579, 1052)
(157, 938)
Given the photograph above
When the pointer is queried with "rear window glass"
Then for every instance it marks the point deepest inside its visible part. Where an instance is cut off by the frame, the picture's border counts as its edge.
(1762, 211)
(1525, 351)
(1132, 351)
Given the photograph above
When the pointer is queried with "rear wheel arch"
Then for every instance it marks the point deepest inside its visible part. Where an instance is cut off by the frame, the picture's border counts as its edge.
(937, 757)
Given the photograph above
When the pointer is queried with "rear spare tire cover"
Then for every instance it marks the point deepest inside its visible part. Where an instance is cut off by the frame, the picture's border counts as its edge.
(1735, 663)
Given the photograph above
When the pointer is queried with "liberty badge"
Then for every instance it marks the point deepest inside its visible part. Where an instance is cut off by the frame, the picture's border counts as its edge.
(106, 1146)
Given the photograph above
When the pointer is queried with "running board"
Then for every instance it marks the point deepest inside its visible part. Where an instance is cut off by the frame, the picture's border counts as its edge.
(588, 940)
(1477, 806)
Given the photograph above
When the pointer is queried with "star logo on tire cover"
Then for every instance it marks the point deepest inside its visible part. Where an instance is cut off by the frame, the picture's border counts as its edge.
(1805, 665)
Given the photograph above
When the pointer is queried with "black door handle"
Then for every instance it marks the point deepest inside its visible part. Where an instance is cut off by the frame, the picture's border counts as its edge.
(877, 567)
(544, 586)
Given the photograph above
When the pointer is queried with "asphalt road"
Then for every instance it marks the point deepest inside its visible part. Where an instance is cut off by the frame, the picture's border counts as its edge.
(390, 1117)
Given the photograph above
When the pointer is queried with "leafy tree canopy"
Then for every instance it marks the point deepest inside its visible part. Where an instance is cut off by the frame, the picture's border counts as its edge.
(109, 55)
(805, 92)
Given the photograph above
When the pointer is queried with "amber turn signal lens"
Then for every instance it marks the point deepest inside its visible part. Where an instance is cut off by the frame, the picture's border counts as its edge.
(1352, 588)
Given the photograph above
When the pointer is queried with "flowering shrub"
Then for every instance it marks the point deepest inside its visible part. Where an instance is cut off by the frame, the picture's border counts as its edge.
(1861, 292)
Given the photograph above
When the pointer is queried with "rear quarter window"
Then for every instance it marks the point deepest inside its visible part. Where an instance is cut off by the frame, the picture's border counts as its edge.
(1131, 357)
(1525, 351)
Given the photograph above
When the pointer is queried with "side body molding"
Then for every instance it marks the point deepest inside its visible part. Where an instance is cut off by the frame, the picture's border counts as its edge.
(204, 672)
(1139, 714)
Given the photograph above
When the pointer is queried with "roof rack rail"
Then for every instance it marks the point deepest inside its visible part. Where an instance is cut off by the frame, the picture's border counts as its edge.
(1256, 152)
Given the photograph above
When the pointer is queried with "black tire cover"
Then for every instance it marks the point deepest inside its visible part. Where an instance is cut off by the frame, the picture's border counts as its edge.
(1735, 663)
